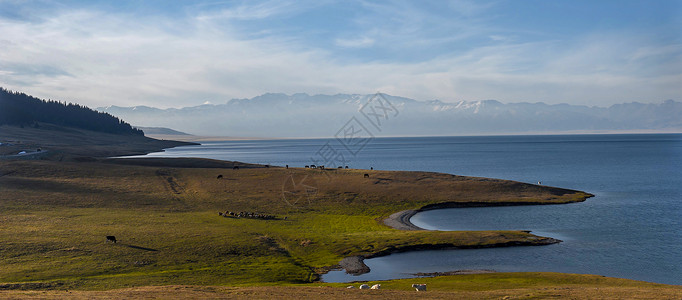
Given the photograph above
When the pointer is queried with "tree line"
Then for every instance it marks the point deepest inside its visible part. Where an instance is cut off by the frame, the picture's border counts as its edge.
(20, 109)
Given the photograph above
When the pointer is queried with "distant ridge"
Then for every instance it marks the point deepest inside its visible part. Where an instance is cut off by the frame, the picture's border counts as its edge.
(303, 115)
(20, 109)
(160, 131)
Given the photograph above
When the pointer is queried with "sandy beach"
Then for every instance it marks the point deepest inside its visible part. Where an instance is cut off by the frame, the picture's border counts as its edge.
(401, 220)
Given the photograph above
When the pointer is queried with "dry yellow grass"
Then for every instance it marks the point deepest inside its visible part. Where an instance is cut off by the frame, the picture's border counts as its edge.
(557, 286)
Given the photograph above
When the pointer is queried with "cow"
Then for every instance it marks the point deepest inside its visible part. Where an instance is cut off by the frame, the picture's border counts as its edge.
(366, 175)
(111, 238)
(307, 167)
(346, 167)
(419, 287)
(287, 166)
(364, 287)
(220, 176)
(235, 168)
(371, 168)
(313, 166)
(376, 286)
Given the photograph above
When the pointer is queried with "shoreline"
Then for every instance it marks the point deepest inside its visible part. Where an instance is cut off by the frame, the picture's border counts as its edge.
(401, 221)
(355, 265)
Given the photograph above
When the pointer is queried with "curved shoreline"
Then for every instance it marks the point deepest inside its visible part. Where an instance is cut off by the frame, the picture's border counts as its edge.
(401, 219)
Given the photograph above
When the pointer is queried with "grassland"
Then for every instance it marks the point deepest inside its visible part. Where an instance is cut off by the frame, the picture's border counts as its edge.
(482, 286)
(56, 215)
(172, 242)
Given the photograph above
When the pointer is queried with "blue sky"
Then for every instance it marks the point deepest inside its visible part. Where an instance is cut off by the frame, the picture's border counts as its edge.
(183, 53)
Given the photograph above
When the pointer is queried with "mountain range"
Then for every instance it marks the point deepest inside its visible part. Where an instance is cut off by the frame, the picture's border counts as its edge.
(303, 115)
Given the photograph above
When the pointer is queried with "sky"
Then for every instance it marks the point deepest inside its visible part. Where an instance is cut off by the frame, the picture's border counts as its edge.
(186, 53)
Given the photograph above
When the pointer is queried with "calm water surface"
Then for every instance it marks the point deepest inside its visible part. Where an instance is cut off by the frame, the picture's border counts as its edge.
(631, 229)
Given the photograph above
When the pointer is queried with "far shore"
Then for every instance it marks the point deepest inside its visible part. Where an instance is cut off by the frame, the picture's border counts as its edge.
(201, 138)
(210, 138)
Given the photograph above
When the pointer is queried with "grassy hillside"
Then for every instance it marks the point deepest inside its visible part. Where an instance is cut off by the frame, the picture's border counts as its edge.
(57, 214)
(65, 143)
(23, 110)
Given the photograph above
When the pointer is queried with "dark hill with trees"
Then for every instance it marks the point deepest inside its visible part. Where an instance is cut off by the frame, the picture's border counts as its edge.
(32, 128)
(20, 109)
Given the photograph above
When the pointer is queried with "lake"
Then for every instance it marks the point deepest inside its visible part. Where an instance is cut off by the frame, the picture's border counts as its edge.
(630, 229)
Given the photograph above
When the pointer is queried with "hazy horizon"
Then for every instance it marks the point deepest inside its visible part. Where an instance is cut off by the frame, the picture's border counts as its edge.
(305, 116)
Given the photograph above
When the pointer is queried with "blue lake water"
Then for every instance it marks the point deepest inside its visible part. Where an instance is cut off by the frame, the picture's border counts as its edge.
(631, 229)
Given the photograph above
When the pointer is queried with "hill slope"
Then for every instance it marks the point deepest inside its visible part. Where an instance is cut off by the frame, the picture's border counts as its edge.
(64, 131)
(23, 110)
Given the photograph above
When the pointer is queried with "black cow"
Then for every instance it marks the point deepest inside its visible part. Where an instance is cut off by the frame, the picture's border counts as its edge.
(366, 175)
(235, 168)
(220, 176)
(111, 238)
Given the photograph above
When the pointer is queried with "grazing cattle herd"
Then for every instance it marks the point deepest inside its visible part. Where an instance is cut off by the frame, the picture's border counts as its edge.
(244, 214)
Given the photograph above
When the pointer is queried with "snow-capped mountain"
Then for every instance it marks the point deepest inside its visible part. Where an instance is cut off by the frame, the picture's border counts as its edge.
(303, 115)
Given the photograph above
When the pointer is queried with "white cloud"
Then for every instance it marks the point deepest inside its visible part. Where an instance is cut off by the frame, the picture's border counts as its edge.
(100, 59)
(362, 42)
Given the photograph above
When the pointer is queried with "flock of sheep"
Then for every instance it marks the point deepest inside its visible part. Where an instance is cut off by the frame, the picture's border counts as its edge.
(417, 286)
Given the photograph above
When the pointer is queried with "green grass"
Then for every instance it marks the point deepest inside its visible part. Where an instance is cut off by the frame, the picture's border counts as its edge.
(56, 216)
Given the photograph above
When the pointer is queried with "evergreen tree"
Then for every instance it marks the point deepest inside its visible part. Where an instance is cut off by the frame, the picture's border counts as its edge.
(20, 109)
